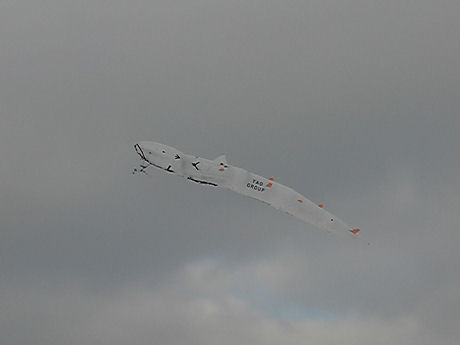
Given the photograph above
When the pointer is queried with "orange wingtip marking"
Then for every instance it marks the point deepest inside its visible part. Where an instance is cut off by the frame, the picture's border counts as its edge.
(271, 178)
(221, 169)
(300, 201)
(355, 230)
(269, 184)
(320, 205)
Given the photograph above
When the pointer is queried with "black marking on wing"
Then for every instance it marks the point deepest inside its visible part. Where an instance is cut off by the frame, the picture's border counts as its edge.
(202, 182)
(195, 165)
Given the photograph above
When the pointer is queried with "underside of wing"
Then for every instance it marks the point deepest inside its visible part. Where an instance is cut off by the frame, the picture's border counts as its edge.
(287, 200)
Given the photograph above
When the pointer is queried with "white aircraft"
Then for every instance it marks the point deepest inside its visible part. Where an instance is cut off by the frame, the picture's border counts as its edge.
(219, 173)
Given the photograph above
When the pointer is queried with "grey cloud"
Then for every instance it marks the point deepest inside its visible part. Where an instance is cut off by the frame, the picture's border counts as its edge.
(355, 104)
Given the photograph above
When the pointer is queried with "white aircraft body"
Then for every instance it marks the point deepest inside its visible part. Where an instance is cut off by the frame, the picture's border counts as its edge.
(219, 173)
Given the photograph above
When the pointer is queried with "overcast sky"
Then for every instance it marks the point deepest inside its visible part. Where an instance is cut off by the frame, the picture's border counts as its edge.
(355, 104)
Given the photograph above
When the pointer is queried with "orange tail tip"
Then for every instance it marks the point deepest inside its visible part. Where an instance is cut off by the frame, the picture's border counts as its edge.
(271, 178)
(221, 169)
(320, 205)
(269, 184)
(354, 231)
(301, 201)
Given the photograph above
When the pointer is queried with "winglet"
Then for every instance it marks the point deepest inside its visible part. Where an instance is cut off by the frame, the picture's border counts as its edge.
(272, 178)
(354, 231)
(320, 205)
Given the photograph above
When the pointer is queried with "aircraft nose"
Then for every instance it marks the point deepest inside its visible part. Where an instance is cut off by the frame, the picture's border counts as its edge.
(139, 151)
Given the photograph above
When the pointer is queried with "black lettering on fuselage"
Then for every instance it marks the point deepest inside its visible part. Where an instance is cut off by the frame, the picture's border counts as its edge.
(256, 185)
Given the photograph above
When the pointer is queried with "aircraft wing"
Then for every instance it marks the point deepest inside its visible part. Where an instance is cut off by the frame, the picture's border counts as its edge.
(285, 199)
